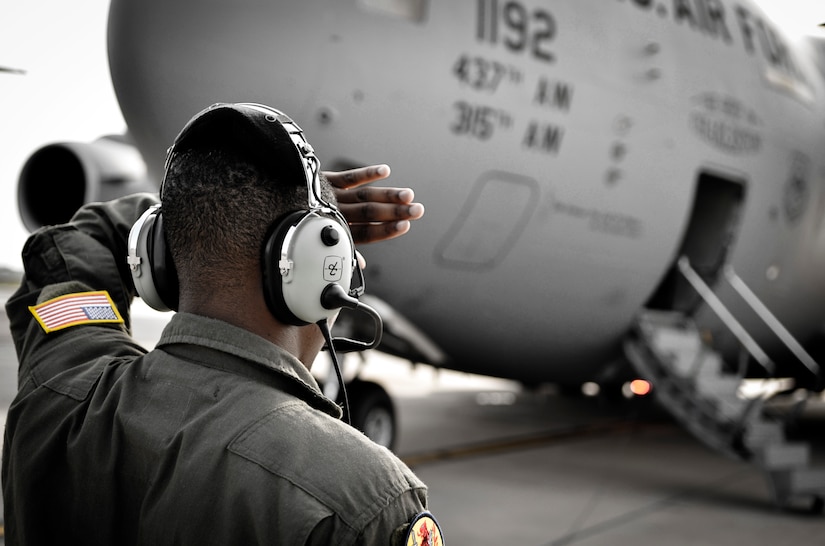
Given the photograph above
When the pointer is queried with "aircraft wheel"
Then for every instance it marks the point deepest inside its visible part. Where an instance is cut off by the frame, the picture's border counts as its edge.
(570, 390)
(372, 412)
(818, 505)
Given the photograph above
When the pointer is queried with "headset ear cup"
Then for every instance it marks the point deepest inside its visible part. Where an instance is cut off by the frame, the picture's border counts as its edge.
(153, 271)
(314, 251)
(270, 262)
(162, 266)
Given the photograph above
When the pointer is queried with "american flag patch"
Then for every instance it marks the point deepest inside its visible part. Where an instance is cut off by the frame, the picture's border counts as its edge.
(76, 309)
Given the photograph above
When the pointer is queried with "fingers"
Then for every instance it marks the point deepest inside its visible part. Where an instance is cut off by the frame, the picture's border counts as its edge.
(372, 211)
(368, 194)
(371, 233)
(374, 214)
(356, 177)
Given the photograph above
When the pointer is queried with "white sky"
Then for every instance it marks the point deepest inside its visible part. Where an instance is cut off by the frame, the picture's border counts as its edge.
(66, 93)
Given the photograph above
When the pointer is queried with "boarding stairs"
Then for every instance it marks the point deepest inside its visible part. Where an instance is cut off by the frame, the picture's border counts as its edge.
(690, 380)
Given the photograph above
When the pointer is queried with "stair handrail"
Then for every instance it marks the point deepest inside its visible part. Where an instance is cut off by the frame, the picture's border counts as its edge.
(724, 315)
(770, 319)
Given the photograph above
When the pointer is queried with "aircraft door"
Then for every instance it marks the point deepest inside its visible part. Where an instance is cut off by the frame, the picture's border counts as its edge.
(708, 239)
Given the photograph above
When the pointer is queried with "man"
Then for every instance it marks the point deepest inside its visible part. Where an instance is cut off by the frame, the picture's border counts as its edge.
(220, 434)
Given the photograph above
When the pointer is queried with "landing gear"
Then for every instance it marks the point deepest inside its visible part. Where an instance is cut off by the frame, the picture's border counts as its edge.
(370, 407)
(372, 412)
(818, 505)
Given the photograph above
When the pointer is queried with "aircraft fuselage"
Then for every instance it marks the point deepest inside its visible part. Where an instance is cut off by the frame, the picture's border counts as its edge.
(566, 152)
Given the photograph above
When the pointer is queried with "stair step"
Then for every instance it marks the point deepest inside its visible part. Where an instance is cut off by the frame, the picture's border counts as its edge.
(711, 365)
(676, 339)
(719, 387)
(790, 487)
(655, 319)
(806, 481)
(731, 409)
(686, 355)
(760, 433)
(783, 456)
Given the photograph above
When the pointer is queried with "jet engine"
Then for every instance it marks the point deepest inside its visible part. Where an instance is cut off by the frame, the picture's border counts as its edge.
(59, 178)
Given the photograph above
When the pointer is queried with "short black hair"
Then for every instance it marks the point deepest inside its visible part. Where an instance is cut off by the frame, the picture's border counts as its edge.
(217, 208)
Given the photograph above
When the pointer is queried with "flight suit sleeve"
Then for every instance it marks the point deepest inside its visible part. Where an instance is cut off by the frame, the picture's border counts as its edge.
(390, 526)
(86, 254)
(393, 525)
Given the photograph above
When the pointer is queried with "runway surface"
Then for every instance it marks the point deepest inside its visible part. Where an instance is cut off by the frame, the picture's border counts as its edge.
(506, 466)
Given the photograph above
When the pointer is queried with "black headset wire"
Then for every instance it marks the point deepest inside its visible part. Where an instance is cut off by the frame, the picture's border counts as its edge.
(324, 326)
(335, 297)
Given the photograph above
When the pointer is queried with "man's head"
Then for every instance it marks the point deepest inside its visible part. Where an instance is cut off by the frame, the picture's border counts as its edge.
(231, 175)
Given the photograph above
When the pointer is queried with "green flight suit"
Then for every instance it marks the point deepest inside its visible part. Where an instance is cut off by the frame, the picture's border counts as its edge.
(214, 437)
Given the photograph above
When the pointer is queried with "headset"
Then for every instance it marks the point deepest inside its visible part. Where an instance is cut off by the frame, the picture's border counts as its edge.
(310, 269)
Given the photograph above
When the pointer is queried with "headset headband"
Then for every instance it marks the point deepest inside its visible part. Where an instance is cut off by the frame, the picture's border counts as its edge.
(311, 164)
(257, 130)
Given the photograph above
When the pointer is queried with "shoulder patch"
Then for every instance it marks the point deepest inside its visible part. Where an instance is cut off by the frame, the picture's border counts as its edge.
(76, 309)
(424, 531)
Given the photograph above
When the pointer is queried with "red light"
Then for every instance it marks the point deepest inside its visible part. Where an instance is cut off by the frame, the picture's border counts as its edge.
(640, 387)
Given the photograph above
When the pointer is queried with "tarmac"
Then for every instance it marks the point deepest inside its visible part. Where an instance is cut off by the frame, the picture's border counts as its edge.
(508, 466)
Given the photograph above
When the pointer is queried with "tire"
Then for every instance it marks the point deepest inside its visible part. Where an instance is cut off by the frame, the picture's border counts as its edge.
(372, 412)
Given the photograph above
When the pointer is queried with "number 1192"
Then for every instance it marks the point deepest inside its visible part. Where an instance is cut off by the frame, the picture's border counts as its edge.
(516, 27)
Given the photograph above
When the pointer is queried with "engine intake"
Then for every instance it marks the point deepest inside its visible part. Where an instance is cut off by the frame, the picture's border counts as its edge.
(59, 178)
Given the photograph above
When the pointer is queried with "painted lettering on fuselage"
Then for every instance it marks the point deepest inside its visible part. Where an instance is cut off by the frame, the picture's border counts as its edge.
(555, 95)
(517, 28)
(797, 192)
(543, 137)
(603, 221)
(529, 100)
(726, 123)
(733, 25)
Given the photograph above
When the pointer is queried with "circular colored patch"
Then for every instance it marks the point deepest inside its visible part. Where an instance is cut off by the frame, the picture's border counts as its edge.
(424, 531)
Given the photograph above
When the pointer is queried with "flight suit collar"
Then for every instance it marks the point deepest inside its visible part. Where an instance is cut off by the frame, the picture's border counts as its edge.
(238, 347)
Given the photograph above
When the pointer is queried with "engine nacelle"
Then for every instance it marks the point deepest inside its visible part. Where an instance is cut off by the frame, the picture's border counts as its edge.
(59, 178)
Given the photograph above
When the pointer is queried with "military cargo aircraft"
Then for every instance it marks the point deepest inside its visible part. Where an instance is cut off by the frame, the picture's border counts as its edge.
(614, 188)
